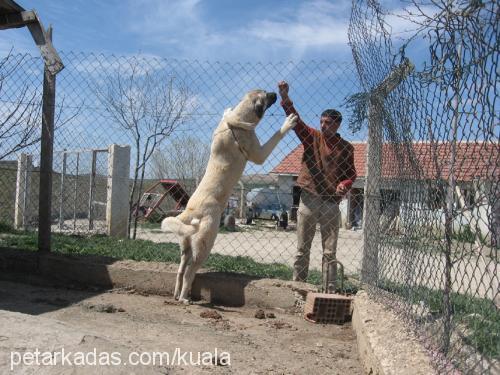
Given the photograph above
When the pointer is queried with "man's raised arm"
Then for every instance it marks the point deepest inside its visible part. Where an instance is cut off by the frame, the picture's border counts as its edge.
(303, 131)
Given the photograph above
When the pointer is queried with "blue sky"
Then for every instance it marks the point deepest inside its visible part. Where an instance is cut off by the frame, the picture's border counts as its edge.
(214, 30)
(272, 32)
(195, 29)
(223, 30)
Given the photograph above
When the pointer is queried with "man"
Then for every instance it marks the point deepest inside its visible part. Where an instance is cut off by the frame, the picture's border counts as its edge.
(326, 175)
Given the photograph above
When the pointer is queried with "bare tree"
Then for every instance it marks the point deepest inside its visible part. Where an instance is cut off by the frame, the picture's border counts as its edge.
(20, 112)
(20, 115)
(149, 106)
(184, 158)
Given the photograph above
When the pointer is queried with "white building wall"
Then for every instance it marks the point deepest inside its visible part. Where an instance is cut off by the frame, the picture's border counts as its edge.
(285, 189)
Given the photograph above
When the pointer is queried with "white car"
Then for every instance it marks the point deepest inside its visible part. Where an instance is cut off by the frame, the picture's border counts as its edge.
(270, 212)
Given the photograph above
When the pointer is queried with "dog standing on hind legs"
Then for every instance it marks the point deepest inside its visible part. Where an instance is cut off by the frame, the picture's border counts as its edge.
(234, 143)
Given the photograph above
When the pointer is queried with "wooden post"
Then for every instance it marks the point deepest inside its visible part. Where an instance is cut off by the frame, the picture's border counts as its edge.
(371, 209)
(46, 157)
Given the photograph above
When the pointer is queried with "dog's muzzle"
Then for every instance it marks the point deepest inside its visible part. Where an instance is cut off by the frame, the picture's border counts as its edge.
(271, 98)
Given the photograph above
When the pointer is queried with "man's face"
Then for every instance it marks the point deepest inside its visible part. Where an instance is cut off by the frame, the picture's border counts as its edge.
(329, 126)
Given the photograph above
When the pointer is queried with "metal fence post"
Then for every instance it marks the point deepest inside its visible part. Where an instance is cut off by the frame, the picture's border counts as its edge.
(75, 189)
(450, 202)
(61, 191)
(371, 209)
(242, 199)
(91, 190)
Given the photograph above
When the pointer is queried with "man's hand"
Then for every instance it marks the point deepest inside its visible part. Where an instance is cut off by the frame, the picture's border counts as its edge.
(283, 89)
(289, 123)
(342, 189)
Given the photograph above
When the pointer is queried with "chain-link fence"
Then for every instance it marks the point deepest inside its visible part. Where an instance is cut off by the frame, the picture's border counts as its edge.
(432, 214)
(165, 112)
(420, 176)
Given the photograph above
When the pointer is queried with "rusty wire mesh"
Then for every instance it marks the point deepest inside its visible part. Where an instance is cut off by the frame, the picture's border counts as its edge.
(436, 212)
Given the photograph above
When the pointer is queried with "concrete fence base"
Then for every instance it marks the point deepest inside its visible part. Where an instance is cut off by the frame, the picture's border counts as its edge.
(148, 277)
(385, 345)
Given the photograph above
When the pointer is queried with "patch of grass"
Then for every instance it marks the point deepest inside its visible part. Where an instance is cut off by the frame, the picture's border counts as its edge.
(465, 234)
(149, 225)
(237, 228)
(143, 250)
(480, 315)
(248, 266)
(97, 245)
(426, 245)
(314, 277)
(6, 228)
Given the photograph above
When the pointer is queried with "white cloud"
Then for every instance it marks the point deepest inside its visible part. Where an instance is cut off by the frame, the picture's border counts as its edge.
(316, 23)
(404, 22)
(165, 21)
(301, 35)
(180, 27)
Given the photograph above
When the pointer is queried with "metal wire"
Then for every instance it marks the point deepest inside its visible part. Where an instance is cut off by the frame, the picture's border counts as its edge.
(435, 256)
(174, 105)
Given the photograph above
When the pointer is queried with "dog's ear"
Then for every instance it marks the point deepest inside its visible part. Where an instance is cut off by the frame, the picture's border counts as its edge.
(259, 108)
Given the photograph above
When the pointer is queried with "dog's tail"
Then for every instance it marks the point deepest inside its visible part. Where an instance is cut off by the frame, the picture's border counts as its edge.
(175, 225)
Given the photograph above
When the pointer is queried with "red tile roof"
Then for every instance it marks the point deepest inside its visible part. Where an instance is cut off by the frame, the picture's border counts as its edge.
(473, 160)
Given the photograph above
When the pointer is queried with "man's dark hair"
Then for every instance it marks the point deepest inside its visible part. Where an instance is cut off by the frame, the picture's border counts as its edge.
(333, 114)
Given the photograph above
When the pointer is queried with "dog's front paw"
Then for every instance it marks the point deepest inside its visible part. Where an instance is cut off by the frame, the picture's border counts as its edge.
(185, 301)
(290, 123)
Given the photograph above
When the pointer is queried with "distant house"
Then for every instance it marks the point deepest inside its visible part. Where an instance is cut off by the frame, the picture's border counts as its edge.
(476, 174)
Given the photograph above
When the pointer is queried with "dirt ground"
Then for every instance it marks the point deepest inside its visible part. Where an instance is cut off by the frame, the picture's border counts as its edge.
(124, 321)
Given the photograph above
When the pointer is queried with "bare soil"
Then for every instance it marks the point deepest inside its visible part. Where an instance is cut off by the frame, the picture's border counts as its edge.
(280, 342)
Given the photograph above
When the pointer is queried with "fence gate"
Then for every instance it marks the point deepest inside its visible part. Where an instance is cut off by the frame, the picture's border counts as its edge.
(81, 188)
(85, 199)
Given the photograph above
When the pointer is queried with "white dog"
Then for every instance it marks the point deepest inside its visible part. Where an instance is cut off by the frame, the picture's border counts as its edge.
(234, 143)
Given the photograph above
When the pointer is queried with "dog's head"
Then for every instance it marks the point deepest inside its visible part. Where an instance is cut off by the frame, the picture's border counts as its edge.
(252, 107)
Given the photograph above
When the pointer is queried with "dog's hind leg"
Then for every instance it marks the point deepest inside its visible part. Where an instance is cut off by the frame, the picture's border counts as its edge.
(201, 244)
(186, 257)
